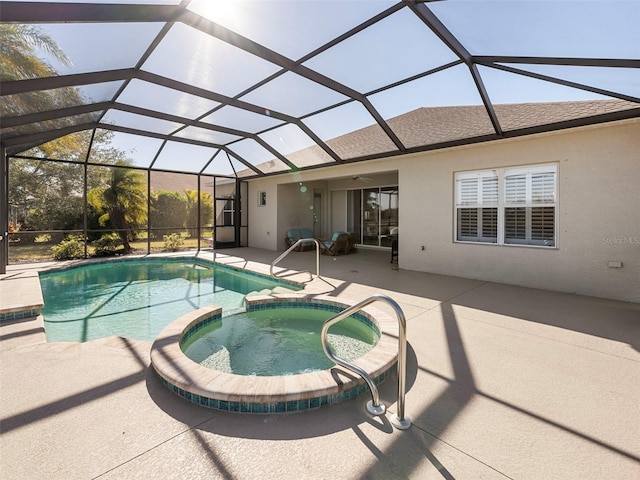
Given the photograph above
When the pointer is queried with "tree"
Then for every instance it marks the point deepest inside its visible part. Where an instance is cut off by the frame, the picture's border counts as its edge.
(122, 204)
(49, 195)
(206, 210)
(19, 48)
(19, 45)
(168, 211)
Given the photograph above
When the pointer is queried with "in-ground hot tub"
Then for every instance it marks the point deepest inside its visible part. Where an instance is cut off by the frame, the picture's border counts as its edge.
(272, 391)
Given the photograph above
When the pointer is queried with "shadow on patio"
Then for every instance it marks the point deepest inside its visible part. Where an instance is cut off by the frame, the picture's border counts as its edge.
(502, 382)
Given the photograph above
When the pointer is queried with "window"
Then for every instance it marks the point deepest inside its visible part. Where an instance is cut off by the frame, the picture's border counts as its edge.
(262, 199)
(227, 213)
(477, 206)
(373, 213)
(507, 206)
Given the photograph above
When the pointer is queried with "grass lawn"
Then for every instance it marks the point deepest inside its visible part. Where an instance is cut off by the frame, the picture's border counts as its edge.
(35, 252)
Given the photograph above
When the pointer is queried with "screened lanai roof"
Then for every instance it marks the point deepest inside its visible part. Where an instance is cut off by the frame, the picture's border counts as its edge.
(251, 88)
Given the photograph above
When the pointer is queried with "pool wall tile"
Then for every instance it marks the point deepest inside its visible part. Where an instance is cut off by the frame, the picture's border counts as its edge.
(18, 315)
(270, 406)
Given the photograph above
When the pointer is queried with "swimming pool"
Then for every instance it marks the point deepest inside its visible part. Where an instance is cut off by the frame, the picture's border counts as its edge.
(137, 298)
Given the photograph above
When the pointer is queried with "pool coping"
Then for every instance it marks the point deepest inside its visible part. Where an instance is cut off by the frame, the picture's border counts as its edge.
(269, 394)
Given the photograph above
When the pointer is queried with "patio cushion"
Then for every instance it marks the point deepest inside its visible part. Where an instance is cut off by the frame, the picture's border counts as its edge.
(305, 233)
(337, 245)
(295, 234)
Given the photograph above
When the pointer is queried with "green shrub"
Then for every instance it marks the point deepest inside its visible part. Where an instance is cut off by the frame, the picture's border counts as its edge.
(70, 247)
(107, 244)
(173, 241)
(43, 238)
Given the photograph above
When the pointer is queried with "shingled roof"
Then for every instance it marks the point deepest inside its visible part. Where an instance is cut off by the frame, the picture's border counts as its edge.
(441, 127)
(334, 82)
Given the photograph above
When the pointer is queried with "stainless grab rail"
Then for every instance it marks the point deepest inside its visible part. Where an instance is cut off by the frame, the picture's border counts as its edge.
(374, 406)
(275, 262)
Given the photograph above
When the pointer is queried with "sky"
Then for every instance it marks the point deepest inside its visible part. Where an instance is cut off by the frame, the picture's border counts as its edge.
(393, 49)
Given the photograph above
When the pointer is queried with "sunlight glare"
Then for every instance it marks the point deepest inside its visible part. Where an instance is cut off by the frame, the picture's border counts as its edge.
(224, 12)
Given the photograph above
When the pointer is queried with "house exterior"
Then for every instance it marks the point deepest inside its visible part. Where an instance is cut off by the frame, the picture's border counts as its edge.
(592, 245)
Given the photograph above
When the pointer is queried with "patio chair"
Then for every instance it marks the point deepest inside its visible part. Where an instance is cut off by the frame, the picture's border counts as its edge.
(337, 245)
(295, 234)
(352, 246)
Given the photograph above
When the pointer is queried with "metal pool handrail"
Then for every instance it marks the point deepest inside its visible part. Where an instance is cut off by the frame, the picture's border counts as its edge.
(299, 241)
(374, 406)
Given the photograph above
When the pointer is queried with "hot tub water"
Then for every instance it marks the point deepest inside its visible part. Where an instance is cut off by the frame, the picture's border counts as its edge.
(277, 342)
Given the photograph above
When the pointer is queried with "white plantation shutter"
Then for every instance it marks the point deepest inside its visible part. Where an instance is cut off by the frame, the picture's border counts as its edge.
(468, 222)
(490, 223)
(533, 190)
(509, 206)
(477, 188)
(468, 191)
(543, 188)
(530, 185)
(515, 189)
(515, 224)
(490, 190)
(477, 206)
(543, 225)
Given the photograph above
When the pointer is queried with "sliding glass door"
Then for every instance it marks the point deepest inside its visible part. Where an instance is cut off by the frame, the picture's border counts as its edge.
(388, 198)
(373, 213)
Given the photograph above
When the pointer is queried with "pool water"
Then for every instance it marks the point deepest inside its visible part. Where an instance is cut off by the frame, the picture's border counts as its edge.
(277, 342)
(137, 298)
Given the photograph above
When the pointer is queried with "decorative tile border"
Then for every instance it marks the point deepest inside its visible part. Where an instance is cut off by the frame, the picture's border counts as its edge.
(199, 325)
(293, 406)
(277, 394)
(9, 316)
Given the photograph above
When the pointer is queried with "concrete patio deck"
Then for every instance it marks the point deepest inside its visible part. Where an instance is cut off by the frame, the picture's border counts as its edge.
(503, 382)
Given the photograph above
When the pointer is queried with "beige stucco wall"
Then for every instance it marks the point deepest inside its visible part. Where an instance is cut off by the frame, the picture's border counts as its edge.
(598, 217)
(263, 221)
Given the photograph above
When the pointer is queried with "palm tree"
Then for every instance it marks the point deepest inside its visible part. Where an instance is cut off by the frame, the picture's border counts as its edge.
(122, 203)
(19, 48)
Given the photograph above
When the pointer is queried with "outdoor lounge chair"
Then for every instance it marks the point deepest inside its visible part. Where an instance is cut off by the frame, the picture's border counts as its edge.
(295, 234)
(338, 244)
(353, 242)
